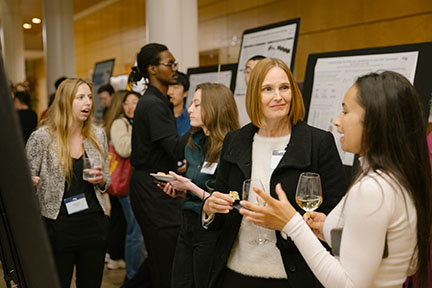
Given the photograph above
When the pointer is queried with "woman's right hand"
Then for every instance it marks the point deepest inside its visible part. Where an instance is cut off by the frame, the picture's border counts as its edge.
(218, 203)
(315, 220)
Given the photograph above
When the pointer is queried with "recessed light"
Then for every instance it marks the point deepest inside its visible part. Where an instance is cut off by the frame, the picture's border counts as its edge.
(27, 26)
(36, 20)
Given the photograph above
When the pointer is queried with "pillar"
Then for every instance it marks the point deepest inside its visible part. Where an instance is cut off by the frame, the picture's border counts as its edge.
(174, 23)
(12, 40)
(58, 41)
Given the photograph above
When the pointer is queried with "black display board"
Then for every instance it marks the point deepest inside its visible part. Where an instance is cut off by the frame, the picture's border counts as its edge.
(25, 251)
(224, 74)
(422, 75)
(101, 75)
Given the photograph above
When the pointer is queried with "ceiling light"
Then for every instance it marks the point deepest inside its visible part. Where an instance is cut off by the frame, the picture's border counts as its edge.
(27, 26)
(36, 20)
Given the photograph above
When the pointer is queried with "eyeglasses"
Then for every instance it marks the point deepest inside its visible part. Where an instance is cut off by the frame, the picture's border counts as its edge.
(172, 65)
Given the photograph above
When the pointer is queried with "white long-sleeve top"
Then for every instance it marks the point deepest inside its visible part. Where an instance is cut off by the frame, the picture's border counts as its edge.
(375, 210)
(121, 137)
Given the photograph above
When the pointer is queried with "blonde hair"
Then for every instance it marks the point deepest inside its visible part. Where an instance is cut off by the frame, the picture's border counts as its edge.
(253, 94)
(59, 121)
(219, 115)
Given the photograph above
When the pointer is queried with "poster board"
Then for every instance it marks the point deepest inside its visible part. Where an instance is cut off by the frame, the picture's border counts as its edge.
(101, 76)
(329, 76)
(199, 75)
(25, 250)
(278, 40)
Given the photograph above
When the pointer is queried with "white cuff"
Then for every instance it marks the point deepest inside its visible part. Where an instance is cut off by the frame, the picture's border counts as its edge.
(288, 226)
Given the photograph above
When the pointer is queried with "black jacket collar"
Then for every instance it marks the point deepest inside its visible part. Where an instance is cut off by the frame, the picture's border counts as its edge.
(297, 155)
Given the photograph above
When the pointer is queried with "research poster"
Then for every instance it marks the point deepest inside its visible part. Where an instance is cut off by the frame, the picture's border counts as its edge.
(333, 77)
(101, 76)
(277, 40)
(222, 77)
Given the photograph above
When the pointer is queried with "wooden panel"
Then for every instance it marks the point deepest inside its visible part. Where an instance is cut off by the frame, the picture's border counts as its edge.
(116, 31)
(330, 25)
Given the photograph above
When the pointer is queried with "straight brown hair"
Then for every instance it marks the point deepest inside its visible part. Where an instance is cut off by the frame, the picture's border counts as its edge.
(219, 114)
(253, 94)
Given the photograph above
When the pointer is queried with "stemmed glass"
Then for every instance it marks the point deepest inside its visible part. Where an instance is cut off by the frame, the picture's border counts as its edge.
(250, 195)
(210, 185)
(309, 191)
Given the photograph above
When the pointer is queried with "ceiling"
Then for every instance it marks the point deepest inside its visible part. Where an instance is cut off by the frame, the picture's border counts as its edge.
(33, 8)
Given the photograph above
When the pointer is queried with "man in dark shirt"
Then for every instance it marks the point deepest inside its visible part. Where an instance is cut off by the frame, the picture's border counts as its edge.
(105, 93)
(178, 93)
(28, 118)
(156, 147)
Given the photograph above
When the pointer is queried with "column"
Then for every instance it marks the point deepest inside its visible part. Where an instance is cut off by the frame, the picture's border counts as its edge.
(58, 40)
(12, 40)
(174, 23)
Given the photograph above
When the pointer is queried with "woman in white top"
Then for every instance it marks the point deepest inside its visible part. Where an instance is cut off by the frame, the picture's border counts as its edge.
(118, 128)
(385, 218)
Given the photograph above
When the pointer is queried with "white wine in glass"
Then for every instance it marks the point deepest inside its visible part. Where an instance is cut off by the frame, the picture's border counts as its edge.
(309, 191)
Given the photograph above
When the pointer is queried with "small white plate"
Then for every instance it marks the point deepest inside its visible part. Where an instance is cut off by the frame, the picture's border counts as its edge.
(164, 178)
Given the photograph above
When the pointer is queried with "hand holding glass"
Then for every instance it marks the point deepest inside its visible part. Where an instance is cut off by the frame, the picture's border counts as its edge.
(309, 191)
(88, 167)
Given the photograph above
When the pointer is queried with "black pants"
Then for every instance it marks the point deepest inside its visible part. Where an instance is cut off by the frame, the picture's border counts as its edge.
(117, 231)
(89, 262)
(236, 280)
(79, 240)
(193, 253)
(159, 218)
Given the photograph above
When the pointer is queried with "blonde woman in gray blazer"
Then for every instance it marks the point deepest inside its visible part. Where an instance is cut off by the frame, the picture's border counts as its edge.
(73, 208)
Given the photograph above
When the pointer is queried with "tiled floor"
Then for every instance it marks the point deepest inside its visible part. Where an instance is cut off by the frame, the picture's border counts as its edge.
(111, 278)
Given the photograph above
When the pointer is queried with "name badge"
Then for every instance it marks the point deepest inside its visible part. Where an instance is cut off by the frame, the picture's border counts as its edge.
(276, 157)
(210, 170)
(76, 204)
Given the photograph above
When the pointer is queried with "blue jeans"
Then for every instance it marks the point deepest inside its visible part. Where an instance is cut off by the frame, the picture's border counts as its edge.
(134, 239)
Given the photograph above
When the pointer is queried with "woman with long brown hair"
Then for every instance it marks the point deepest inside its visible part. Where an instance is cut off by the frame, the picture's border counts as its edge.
(380, 231)
(72, 207)
(213, 113)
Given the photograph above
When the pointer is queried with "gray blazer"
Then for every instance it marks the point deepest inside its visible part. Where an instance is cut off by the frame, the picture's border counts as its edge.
(43, 162)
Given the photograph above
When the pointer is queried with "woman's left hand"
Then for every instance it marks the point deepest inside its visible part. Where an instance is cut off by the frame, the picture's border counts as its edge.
(274, 215)
(99, 177)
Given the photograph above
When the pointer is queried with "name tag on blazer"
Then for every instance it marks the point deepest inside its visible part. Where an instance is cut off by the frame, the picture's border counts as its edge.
(76, 204)
(276, 158)
(210, 170)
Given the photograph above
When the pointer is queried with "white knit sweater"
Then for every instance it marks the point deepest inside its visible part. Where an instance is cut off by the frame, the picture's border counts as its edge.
(247, 257)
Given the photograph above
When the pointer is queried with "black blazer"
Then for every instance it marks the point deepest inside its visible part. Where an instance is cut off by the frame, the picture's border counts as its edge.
(309, 150)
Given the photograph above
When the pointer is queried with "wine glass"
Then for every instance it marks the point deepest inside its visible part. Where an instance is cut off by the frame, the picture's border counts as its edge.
(210, 185)
(250, 195)
(309, 192)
